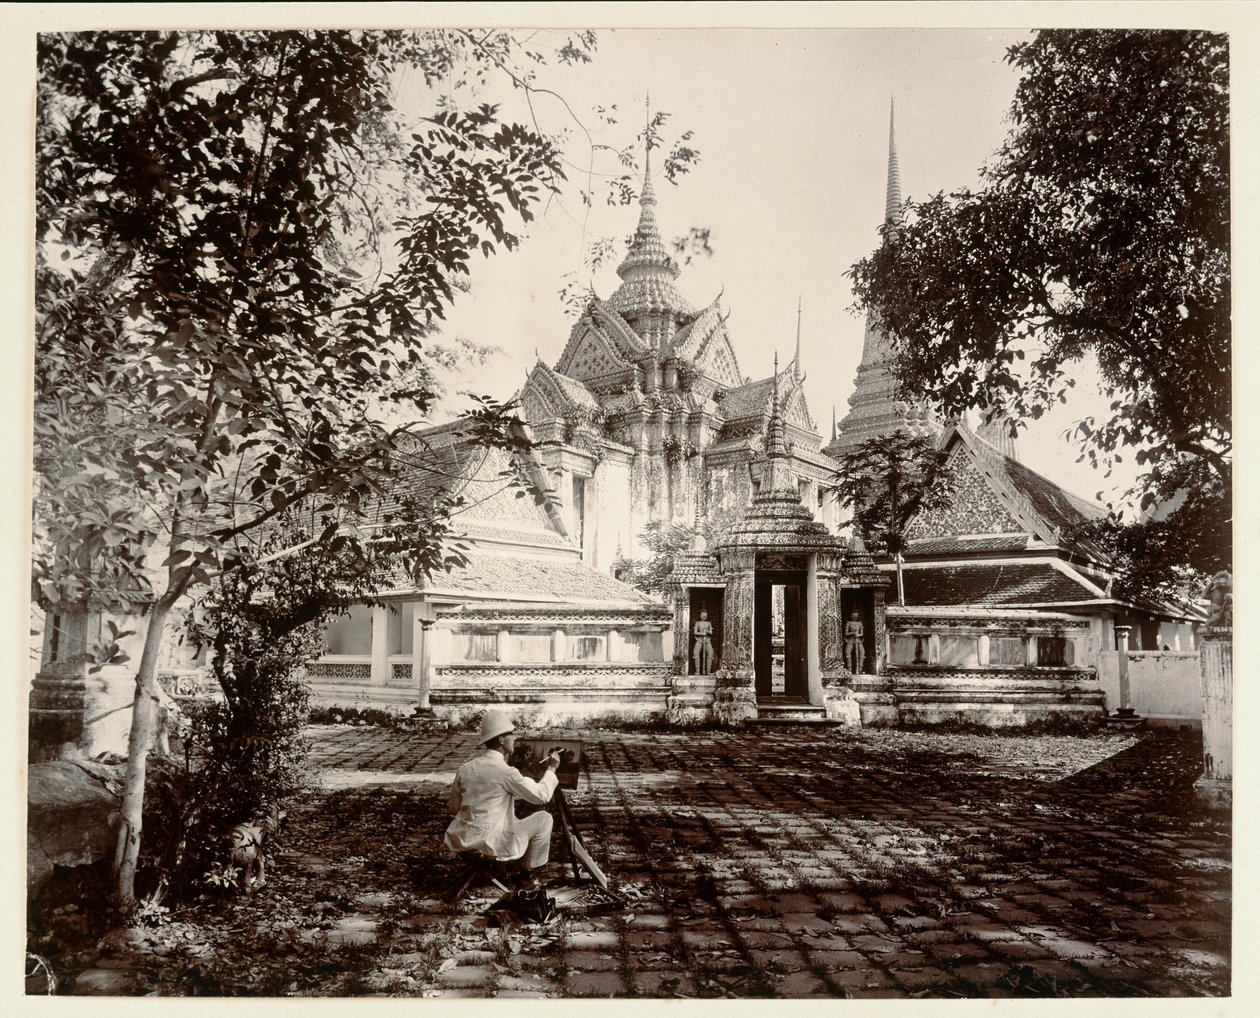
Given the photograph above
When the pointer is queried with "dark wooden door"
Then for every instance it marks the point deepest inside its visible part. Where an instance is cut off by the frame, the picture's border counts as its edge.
(763, 611)
(795, 681)
(795, 671)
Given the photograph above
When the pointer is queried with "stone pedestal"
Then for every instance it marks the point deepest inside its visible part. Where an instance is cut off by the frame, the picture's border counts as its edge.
(70, 703)
(735, 697)
(842, 707)
(1216, 658)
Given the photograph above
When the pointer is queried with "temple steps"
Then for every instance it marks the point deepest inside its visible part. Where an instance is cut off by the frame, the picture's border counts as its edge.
(790, 711)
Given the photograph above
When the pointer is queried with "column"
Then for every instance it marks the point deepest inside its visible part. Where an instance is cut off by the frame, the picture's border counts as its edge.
(559, 647)
(612, 646)
(682, 631)
(735, 697)
(1216, 662)
(813, 671)
(423, 617)
(503, 646)
(830, 643)
(982, 649)
(1125, 707)
(380, 645)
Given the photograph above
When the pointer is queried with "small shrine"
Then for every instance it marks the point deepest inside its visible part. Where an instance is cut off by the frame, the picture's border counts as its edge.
(780, 615)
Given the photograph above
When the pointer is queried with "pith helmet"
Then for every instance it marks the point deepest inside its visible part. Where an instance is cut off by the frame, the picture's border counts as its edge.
(493, 724)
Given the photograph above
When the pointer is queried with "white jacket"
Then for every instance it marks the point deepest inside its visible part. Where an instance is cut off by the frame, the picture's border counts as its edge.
(481, 799)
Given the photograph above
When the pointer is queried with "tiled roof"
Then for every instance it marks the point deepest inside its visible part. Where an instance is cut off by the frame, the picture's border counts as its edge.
(532, 579)
(752, 399)
(1057, 508)
(574, 391)
(443, 461)
(1032, 584)
(951, 544)
(695, 567)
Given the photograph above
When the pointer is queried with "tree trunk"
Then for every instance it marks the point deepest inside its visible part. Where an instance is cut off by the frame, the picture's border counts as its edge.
(901, 586)
(127, 854)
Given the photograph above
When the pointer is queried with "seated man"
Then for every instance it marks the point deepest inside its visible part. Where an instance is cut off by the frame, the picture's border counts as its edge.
(482, 801)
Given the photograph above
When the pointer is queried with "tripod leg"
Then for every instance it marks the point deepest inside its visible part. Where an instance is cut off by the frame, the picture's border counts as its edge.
(566, 831)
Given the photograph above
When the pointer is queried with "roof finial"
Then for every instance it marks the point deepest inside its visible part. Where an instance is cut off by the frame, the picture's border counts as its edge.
(797, 377)
(892, 200)
(833, 422)
(698, 543)
(648, 195)
(776, 447)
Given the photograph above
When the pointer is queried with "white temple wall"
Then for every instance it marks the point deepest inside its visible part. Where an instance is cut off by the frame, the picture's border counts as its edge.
(1164, 686)
(609, 511)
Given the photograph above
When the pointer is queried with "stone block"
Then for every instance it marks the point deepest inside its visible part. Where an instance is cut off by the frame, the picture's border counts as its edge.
(596, 984)
(71, 817)
(100, 982)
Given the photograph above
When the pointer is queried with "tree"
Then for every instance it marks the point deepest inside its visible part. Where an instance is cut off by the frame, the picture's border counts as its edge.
(886, 481)
(664, 542)
(239, 244)
(1100, 236)
(245, 753)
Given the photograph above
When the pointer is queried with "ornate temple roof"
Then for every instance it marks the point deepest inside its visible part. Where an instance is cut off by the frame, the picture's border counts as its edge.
(648, 271)
(571, 390)
(776, 519)
(1049, 511)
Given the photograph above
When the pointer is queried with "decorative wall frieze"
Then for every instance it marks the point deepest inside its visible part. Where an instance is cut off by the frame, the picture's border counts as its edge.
(559, 670)
(650, 617)
(998, 626)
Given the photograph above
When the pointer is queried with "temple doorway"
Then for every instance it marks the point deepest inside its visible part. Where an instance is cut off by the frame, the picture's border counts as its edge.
(780, 635)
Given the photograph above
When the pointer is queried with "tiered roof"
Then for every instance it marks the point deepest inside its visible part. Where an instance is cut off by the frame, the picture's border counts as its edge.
(776, 519)
(648, 272)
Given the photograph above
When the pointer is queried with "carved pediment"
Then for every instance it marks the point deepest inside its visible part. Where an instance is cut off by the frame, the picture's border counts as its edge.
(796, 410)
(590, 354)
(717, 361)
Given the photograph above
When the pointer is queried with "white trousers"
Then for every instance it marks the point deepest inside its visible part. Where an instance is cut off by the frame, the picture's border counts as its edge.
(537, 827)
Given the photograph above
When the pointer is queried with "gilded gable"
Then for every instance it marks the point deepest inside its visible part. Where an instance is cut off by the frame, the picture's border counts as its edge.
(974, 509)
(590, 355)
(718, 362)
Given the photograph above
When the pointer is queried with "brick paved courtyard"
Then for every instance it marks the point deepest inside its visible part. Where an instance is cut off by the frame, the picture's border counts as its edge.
(803, 862)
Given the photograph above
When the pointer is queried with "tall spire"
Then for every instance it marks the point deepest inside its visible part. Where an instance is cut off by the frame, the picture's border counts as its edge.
(775, 445)
(874, 408)
(648, 271)
(797, 375)
(648, 194)
(892, 201)
(778, 477)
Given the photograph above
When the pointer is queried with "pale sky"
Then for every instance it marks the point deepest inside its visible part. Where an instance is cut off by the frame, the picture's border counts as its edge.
(791, 124)
(792, 127)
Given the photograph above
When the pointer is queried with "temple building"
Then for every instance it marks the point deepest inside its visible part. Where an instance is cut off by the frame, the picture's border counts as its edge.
(1008, 615)
(647, 417)
(775, 612)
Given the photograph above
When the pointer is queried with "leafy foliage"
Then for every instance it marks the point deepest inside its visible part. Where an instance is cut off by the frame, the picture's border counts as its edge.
(241, 246)
(1101, 236)
(664, 544)
(246, 752)
(887, 480)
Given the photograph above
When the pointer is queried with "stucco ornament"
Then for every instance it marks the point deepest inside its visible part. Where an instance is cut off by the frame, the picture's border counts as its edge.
(1220, 592)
